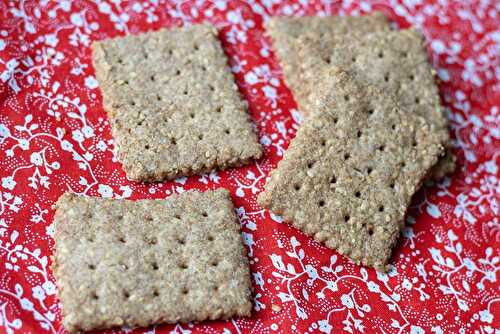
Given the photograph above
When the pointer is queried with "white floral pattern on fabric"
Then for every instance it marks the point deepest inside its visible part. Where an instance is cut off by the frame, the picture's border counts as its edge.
(55, 137)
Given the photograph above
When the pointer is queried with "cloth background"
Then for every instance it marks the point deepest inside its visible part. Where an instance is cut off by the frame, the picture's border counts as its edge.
(55, 137)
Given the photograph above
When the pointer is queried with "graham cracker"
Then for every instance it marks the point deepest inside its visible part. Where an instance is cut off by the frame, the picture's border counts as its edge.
(173, 104)
(348, 176)
(137, 263)
(286, 32)
(397, 63)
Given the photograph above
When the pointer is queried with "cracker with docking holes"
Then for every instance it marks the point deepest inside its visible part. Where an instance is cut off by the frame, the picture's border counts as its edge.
(173, 104)
(348, 176)
(286, 32)
(395, 62)
(137, 263)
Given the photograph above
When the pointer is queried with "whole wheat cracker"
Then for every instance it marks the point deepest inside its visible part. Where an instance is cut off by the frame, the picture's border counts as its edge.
(173, 104)
(348, 176)
(397, 63)
(286, 33)
(137, 263)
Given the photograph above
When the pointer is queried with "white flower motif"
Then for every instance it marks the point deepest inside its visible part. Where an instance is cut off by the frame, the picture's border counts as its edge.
(50, 230)
(57, 58)
(104, 8)
(105, 191)
(265, 140)
(311, 272)
(26, 304)
(77, 135)
(324, 326)
(8, 182)
(51, 40)
(407, 284)
(251, 78)
(49, 288)
(347, 301)
(332, 285)
(137, 7)
(127, 191)
(220, 4)
(88, 156)
(258, 279)
(65, 5)
(23, 144)
(486, 316)
(36, 159)
(416, 330)
(373, 287)
(91, 82)
(4, 133)
(88, 131)
(11, 66)
(469, 264)
(234, 17)
(101, 146)
(462, 305)
(38, 292)
(5, 75)
(490, 166)
(270, 92)
(438, 46)
(276, 218)
(76, 19)
(124, 17)
(66, 146)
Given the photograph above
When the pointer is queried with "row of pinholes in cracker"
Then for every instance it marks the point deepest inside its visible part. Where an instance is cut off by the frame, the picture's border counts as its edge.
(374, 131)
(173, 105)
(139, 263)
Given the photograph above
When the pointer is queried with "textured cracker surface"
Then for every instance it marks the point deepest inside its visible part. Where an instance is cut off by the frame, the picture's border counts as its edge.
(137, 263)
(286, 33)
(173, 104)
(397, 63)
(348, 176)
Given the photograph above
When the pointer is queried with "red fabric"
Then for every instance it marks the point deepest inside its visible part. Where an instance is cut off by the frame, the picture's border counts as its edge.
(55, 137)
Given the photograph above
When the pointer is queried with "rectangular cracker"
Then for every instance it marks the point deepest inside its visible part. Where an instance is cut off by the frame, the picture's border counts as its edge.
(173, 104)
(286, 32)
(397, 63)
(137, 263)
(348, 176)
